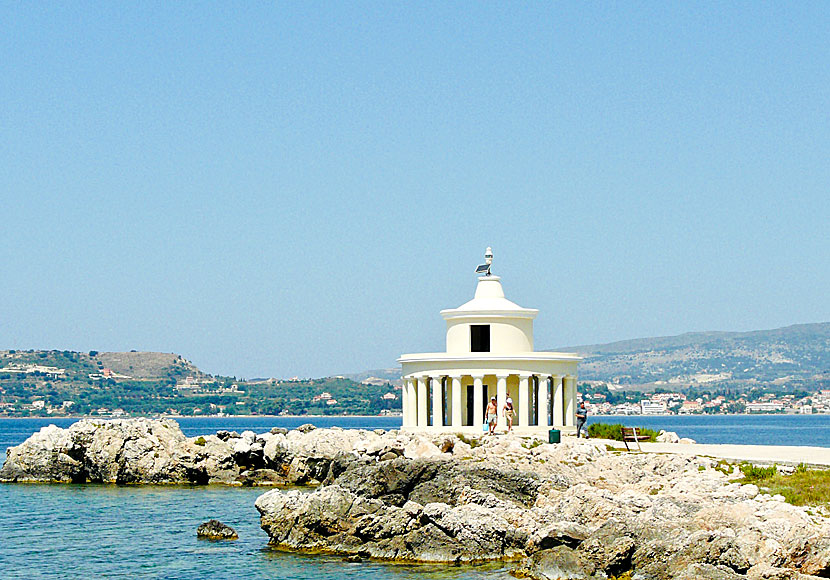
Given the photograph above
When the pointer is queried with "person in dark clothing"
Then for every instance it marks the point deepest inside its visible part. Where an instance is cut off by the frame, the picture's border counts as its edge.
(581, 418)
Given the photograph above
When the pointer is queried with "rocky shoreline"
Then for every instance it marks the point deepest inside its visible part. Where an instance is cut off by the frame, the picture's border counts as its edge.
(571, 510)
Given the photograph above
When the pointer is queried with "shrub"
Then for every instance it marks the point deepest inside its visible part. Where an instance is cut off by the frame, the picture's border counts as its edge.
(755, 473)
(614, 431)
(200, 441)
(724, 467)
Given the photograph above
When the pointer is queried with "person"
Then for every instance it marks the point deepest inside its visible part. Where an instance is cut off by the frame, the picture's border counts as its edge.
(492, 415)
(508, 412)
(581, 418)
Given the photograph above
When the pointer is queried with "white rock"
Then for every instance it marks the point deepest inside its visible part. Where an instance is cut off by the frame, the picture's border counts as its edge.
(668, 437)
(418, 448)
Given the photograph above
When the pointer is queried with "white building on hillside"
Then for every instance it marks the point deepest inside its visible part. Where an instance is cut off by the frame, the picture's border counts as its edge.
(652, 407)
(489, 354)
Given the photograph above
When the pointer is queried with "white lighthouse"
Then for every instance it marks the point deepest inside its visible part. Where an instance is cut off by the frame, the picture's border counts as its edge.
(489, 354)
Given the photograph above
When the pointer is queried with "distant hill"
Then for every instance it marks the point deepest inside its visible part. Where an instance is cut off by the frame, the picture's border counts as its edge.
(115, 384)
(795, 355)
(79, 365)
(148, 365)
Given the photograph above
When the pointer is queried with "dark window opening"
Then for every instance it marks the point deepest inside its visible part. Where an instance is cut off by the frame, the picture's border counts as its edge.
(479, 338)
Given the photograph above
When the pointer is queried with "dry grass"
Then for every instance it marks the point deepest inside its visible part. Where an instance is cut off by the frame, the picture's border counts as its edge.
(145, 364)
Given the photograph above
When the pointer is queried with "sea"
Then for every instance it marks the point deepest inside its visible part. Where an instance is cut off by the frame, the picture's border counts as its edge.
(143, 531)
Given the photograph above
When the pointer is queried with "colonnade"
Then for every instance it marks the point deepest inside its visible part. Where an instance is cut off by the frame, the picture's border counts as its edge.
(443, 400)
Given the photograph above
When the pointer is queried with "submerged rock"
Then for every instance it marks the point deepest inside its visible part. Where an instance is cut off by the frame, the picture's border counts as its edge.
(216, 530)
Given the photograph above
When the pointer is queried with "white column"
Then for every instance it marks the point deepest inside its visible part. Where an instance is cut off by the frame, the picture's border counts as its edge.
(456, 401)
(404, 402)
(413, 402)
(478, 400)
(437, 403)
(524, 400)
(501, 394)
(542, 401)
(558, 404)
(422, 401)
(570, 401)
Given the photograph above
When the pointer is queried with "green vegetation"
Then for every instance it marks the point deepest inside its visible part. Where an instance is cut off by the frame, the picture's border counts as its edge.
(473, 442)
(200, 441)
(803, 487)
(532, 444)
(57, 383)
(724, 467)
(755, 473)
(614, 431)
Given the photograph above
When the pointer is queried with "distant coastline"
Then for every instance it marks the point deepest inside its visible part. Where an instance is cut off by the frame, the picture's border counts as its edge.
(191, 417)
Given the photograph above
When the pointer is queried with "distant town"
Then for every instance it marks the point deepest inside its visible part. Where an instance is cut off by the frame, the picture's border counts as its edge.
(604, 399)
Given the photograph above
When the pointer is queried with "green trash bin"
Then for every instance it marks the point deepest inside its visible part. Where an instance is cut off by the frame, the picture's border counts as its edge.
(553, 436)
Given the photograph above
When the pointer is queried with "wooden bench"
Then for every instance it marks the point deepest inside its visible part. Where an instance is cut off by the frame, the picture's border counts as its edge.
(631, 434)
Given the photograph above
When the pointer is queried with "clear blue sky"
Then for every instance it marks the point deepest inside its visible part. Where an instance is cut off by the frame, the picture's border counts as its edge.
(279, 189)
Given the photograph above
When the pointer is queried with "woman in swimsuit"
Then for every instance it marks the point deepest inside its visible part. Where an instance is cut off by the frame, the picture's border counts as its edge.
(508, 412)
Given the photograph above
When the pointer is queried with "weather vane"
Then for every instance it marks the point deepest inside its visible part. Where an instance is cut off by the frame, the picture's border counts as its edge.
(488, 261)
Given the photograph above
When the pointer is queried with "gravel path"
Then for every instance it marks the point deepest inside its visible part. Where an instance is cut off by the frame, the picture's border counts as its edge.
(785, 455)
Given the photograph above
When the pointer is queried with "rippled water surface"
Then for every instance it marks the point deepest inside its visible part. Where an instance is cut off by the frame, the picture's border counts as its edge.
(92, 531)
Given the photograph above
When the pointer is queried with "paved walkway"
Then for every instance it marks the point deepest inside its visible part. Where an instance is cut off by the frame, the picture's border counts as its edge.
(785, 455)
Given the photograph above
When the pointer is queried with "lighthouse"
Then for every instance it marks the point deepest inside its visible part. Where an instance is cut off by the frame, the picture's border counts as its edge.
(489, 353)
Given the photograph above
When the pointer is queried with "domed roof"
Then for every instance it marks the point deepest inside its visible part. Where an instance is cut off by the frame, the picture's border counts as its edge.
(489, 300)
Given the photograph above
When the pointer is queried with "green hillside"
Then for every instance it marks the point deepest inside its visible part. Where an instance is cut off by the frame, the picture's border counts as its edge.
(56, 383)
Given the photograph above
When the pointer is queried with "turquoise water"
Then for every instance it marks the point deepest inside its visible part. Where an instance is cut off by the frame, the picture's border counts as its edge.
(97, 531)
(812, 430)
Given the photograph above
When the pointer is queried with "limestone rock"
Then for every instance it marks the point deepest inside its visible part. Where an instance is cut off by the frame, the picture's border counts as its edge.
(257, 477)
(335, 519)
(461, 449)
(667, 437)
(48, 455)
(558, 563)
(609, 548)
(421, 448)
(216, 530)
(115, 451)
(568, 534)
(697, 571)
